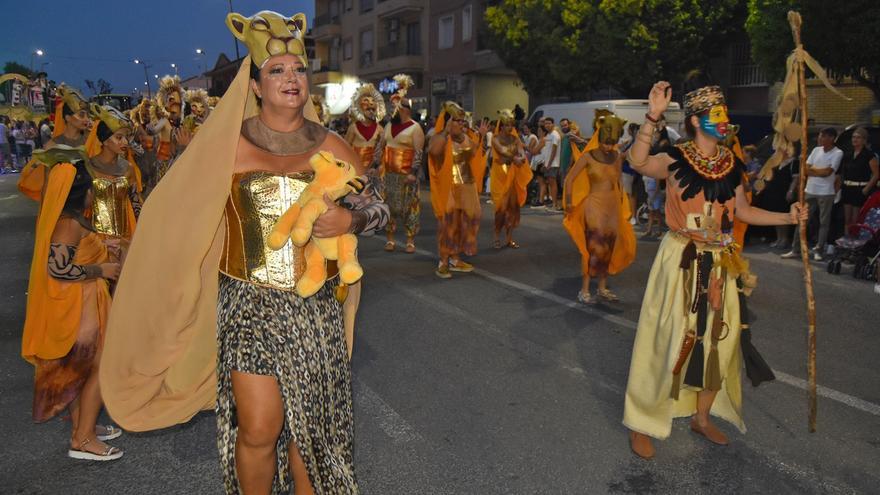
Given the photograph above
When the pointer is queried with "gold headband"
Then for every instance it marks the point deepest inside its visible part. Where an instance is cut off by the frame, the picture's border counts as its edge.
(703, 99)
(267, 34)
(111, 117)
(71, 98)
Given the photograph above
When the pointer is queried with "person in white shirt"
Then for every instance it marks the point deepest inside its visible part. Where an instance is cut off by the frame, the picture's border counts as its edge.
(822, 165)
(550, 151)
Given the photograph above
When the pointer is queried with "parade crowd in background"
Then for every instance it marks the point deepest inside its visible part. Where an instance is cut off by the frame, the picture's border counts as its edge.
(241, 286)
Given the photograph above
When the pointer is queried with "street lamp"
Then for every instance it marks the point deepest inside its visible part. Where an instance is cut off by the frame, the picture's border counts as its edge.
(203, 55)
(36, 53)
(146, 66)
(174, 66)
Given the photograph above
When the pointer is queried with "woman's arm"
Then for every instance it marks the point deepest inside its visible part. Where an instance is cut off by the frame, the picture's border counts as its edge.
(437, 147)
(639, 155)
(756, 216)
(577, 168)
(875, 175)
(62, 251)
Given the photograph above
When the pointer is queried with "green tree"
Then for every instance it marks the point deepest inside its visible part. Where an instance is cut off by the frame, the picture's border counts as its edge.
(16, 68)
(574, 46)
(842, 37)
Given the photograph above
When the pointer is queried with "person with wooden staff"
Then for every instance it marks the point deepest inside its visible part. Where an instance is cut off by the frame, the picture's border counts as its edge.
(686, 357)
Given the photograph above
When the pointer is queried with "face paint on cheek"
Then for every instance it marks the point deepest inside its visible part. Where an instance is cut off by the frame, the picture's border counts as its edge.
(718, 130)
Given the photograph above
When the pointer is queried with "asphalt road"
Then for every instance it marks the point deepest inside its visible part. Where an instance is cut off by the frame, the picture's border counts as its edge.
(498, 382)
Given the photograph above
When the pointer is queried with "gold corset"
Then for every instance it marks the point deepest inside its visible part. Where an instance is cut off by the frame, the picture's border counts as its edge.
(366, 154)
(255, 203)
(399, 160)
(461, 164)
(110, 206)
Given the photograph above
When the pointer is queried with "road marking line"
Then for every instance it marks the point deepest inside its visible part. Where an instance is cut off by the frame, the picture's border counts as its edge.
(386, 417)
(828, 393)
(7, 198)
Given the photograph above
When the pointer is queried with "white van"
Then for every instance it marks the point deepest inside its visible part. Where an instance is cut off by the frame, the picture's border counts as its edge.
(584, 112)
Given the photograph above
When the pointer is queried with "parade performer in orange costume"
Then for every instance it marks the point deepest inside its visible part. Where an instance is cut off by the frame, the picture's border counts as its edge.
(67, 305)
(509, 177)
(71, 126)
(403, 145)
(115, 178)
(457, 165)
(597, 212)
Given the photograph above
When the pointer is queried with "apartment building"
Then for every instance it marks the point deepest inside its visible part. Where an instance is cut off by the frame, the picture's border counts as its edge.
(440, 43)
(371, 41)
(463, 68)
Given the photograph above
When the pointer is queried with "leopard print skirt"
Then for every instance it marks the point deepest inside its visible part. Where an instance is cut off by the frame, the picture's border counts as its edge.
(301, 343)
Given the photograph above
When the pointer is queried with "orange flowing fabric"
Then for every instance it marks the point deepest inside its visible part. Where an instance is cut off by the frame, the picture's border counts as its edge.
(441, 174)
(740, 227)
(515, 178)
(57, 382)
(575, 222)
(54, 308)
(31, 180)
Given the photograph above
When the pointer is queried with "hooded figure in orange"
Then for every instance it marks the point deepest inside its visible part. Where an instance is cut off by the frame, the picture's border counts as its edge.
(508, 178)
(457, 166)
(71, 126)
(67, 306)
(597, 212)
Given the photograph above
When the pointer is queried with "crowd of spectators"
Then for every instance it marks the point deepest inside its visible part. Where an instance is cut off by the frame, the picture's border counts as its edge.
(18, 140)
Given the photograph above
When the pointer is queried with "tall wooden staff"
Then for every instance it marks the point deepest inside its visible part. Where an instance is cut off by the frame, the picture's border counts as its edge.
(794, 19)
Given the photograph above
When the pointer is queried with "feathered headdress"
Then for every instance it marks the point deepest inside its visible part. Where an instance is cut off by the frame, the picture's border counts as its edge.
(404, 83)
(167, 86)
(367, 91)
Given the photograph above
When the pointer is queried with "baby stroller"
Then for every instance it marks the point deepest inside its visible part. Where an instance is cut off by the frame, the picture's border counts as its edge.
(861, 245)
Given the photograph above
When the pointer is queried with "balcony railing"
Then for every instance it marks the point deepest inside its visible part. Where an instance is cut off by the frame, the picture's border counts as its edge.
(397, 50)
(326, 20)
(747, 75)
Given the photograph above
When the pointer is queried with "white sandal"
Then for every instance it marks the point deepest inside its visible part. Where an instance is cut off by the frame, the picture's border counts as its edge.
(109, 454)
(111, 432)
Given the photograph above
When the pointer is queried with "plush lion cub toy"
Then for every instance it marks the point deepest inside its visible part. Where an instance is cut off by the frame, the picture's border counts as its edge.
(332, 178)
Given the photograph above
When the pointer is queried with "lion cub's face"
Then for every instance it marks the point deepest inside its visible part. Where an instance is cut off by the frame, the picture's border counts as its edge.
(331, 175)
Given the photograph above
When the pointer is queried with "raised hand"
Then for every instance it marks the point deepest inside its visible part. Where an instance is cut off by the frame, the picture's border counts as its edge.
(659, 98)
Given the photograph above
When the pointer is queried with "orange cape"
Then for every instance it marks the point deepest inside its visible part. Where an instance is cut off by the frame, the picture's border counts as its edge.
(501, 182)
(54, 308)
(158, 367)
(575, 224)
(441, 174)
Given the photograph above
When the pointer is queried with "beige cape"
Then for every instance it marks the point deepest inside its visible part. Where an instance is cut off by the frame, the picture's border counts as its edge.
(159, 358)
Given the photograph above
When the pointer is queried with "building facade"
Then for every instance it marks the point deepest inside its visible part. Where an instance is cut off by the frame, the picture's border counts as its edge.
(463, 68)
(441, 44)
(369, 41)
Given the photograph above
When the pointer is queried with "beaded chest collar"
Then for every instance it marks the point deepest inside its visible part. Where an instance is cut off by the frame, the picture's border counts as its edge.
(712, 168)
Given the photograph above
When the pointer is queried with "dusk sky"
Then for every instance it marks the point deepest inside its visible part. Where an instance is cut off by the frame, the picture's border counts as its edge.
(92, 39)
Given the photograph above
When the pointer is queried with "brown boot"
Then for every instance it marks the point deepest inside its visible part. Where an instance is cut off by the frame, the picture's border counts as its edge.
(710, 431)
(641, 445)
